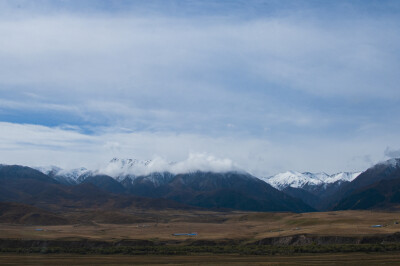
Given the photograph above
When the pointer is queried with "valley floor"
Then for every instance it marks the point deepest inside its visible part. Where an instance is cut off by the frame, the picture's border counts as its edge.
(222, 238)
(215, 226)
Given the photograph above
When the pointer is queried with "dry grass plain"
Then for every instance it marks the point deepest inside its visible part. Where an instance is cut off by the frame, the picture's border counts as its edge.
(244, 226)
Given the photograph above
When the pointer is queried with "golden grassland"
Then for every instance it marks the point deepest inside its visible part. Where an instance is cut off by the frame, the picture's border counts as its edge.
(247, 226)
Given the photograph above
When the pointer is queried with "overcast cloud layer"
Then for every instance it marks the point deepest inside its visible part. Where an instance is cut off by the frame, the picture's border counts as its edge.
(268, 85)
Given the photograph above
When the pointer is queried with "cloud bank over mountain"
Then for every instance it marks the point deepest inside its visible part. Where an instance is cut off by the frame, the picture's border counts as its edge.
(194, 162)
(68, 147)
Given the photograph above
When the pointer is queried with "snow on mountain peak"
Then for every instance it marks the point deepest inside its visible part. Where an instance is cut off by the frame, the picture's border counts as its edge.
(73, 174)
(299, 180)
(292, 179)
(70, 176)
(343, 176)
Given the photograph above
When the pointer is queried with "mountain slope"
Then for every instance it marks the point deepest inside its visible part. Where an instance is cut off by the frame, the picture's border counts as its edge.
(15, 172)
(307, 197)
(388, 170)
(17, 182)
(26, 185)
(229, 190)
(375, 188)
(66, 176)
(382, 195)
(312, 188)
(382, 171)
(218, 190)
(17, 213)
(105, 183)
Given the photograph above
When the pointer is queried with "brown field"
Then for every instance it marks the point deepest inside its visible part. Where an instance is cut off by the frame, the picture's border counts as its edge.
(318, 259)
(244, 226)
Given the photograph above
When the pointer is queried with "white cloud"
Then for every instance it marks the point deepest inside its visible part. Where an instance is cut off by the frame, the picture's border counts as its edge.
(68, 148)
(203, 162)
(392, 153)
(196, 74)
(194, 162)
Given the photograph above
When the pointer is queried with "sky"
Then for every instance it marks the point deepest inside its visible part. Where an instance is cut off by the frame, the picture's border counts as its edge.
(265, 85)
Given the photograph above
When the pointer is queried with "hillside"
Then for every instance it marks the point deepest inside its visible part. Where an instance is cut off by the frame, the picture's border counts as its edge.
(367, 184)
(16, 213)
(382, 195)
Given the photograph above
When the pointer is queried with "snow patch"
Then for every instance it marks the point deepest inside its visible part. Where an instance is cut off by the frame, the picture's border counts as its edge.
(70, 175)
(299, 180)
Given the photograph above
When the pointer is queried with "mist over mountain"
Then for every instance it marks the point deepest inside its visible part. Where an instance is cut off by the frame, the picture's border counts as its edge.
(120, 169)
(195, 162)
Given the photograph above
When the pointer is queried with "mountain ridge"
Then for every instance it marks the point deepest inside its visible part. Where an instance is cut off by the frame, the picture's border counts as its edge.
(226, 190)
(236, 189)
(121, 169)
(296, 179)
(380, 181)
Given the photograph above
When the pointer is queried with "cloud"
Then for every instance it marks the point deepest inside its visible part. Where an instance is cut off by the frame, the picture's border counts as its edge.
(203, 162)
(392, 153)
(195, 162)
(258, 84)
(66, 147)
(177, 74)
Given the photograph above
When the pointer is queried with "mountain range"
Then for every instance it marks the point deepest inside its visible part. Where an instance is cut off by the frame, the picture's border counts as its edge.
(124, 183)
(315, 189)
(137, 177)
(301, 180)
(228, 190)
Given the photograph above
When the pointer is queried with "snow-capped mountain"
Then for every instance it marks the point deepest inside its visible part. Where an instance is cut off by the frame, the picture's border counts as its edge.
(66, 176)
(204, 189)
(295, 179)
(122, 168)
(119, 169)
(343, 176)
(159, 171)
(312, 188)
